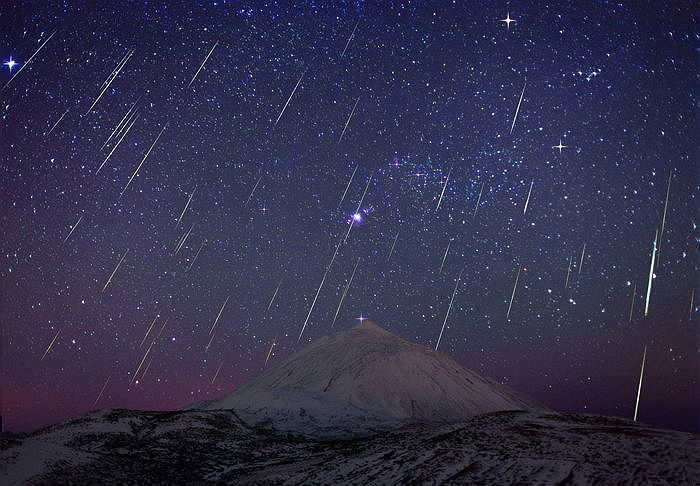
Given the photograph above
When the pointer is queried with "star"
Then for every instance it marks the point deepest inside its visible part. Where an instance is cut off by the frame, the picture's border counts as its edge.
(508, 20)
(361, 318)
(10, 64)
(357, 217)
(560, 146)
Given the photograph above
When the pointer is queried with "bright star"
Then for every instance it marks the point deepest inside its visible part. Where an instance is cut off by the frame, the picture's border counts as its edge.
(10, 64)
(357, 217)
(361, 318)
(560, 146)
(508, 20)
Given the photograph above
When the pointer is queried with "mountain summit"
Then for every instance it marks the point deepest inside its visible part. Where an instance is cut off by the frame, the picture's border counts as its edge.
(369, 373)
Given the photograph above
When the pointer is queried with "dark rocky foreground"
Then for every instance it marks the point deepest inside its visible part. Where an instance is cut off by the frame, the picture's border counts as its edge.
(194, 447)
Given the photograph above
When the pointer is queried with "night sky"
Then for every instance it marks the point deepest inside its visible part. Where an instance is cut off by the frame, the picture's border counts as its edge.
(414, 103)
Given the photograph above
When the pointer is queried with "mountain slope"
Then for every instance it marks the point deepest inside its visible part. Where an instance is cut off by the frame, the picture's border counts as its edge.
(371, 373)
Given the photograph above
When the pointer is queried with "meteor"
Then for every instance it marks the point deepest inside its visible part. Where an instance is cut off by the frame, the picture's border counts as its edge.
(568, 272)
(101, 391)
(634, 294)
(73, 228)
(692, 304)
(345, 292)
(347, 187)
(527, 201)
(476, 206)
(186, 206)
(56, 124)
(443, 190)
(115, 270)
(515, 286)
(663, 221)
(218, 316)
(392, 246)
(320, 286)
(349, 39)
(274, 295)
(141, 363)
(290, 97)
(217, 373)
(28, 61)
(133, 120)
(149, 330)
(515, 117)
(639, 388)
(270, 351)
(445, 256)
(50, 345)
(122, 123)
(651, 274)
(184, 238)
(253, 191)
(348, 121)
(583, 252)
(202, 65)
(111, 78)
(195, 257)
(449, 308)
(143, 160)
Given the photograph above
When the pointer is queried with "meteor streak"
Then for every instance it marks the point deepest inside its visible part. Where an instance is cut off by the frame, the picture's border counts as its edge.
(73, 228)
(217, 373)
(634, 294)
(186, 206)
(143, 160)
(101, 392)
(149, 330)
(56, 124)
(345, 292)
(527, 201)
(476, 206)
(50, 345)
(347, 187)
(515, 117)
(445, 256)
(28, 61)
(111, 78)
(651, 274)
(133, 120)
(349, 39)
(115, 270)
(348, 121)
(184, 238)
(443, 190)
(583, 252)
(392, 246)
(253, 191)
(270, 351)
(141, 363)
(568, 272)
(122, 123)
(639, 388)
(515, 286)
(219, 315)
(196, 255)
(290, 97)
(449, 308)
(202, 65)
(274, 295)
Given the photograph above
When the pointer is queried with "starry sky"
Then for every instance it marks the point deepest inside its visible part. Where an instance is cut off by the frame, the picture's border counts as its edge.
(186, 188)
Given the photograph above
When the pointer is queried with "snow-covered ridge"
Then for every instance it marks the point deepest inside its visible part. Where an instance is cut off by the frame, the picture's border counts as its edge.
(369, 372)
